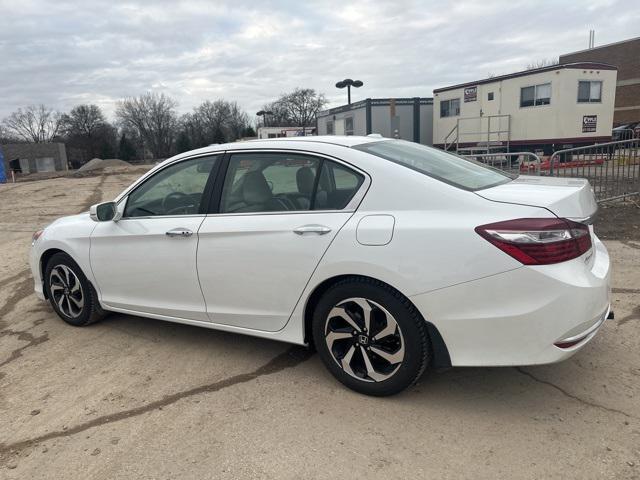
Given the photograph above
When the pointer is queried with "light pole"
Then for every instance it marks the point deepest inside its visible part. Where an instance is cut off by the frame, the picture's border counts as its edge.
(263, 114)
(347, 82)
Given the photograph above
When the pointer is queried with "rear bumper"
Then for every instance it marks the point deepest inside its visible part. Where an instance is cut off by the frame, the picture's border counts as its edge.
(517, 317)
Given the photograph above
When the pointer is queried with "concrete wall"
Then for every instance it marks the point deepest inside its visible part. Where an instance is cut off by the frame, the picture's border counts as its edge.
(560, 120)
(626, 56)
(35, 157)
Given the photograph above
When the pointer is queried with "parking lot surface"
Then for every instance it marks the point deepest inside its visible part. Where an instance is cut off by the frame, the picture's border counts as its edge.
(137, 398)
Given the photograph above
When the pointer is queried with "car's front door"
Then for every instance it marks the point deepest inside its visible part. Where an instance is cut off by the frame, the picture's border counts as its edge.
(146, 261)
(276, 216)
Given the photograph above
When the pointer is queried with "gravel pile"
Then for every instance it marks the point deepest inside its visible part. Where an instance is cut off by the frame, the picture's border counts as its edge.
(99, 164)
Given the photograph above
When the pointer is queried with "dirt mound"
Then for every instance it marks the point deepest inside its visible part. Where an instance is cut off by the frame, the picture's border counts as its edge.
(99, 164)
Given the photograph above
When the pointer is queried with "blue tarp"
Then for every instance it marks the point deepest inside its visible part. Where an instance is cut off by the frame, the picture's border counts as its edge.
(3, 176)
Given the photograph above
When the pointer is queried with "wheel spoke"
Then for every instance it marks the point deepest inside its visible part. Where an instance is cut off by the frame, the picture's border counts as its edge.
(79, 303)
(390, 329)
(366, 311)
(342, 313)
(371, 372)
(346, 361)
(333, 336)
(392, 358)
(60, 302)
(54, 287)
(65, 269)
(56, 274)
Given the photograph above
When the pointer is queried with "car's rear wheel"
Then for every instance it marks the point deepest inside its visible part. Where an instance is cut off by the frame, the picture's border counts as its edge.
(370, 337)
(70, 293)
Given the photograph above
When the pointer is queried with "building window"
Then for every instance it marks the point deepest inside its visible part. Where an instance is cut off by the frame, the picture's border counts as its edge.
(589, 91)
(490, 96)
(330, 130)
(450, 108)
(535, 95)
(348, 126)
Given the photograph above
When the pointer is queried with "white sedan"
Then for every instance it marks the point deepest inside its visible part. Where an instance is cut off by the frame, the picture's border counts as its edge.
(388, 256)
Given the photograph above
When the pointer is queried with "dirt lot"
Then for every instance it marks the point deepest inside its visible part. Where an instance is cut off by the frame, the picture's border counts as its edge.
(132, 397)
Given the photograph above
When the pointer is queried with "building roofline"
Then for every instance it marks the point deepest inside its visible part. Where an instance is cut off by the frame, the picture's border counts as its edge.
(375, 102)
(524, 73)
(634, 39)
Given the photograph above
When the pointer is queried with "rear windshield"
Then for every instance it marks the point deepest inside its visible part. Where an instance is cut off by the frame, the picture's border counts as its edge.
(452, 169)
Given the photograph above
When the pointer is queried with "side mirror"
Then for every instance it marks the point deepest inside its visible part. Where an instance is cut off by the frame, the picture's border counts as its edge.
(104, 212)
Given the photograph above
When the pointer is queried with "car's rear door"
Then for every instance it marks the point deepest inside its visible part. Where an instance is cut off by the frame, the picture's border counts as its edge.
(146, 261)
(275, 215)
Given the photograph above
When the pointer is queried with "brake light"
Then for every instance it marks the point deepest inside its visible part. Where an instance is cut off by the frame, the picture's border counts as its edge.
(539, 241)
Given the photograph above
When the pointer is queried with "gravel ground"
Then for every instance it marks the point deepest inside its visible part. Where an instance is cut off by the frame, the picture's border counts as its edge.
(132, 397)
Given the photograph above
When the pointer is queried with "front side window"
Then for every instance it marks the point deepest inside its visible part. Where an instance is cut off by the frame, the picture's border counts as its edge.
(589, 91)
(535, 95)
(450, 108)
(283, 182)
(174, 190)
(452, 169)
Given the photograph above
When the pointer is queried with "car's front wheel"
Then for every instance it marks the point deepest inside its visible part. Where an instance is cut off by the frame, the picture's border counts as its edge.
(71, 295)
(370, 337)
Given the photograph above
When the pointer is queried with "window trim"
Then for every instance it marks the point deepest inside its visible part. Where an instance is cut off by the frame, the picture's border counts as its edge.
(535, 91)
(216, 194)
(589, 102)
(123, 198)
(449, 100)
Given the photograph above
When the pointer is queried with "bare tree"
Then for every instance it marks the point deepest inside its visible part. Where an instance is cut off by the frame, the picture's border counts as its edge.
(302, 106)
(545, 62)
(36, 123)
(279, 117)
(219, 121)
(153, 116)
(87, 130)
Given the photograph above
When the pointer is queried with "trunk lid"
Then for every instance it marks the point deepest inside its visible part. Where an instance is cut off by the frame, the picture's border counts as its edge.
(566, 197)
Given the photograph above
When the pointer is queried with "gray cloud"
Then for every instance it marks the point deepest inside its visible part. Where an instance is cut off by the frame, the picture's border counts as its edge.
(65, 52)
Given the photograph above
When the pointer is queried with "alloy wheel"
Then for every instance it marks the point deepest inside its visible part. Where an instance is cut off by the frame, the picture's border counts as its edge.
(66, 291)
(364, 339)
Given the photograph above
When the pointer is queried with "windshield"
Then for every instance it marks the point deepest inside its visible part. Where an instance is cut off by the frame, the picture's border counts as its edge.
(452, 169)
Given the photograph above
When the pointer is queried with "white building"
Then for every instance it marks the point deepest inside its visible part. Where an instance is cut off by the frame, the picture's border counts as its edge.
(277, 132)
(406, 118)
(545, 109)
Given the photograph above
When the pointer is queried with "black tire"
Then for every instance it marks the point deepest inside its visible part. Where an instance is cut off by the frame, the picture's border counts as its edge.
(68, 310)
(411, 336)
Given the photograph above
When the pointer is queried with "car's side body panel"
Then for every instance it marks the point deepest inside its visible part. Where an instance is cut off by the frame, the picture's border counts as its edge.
(71, 235)
(139, 268)
(253, 267)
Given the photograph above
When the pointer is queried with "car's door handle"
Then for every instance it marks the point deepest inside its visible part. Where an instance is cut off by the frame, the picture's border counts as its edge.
(319, 229)
(179, 232)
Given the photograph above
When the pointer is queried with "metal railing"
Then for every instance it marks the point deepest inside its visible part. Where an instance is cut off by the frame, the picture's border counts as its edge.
(612, 168)
(524, 163)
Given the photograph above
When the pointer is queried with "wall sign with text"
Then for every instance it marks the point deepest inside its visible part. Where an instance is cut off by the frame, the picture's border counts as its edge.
(470, 94)
(589, 123)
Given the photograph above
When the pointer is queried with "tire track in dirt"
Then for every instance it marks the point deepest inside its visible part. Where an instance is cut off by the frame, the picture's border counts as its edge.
(290, 358)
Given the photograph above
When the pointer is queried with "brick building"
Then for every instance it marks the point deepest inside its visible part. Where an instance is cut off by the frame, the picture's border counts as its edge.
(34, 157)
(626, 56)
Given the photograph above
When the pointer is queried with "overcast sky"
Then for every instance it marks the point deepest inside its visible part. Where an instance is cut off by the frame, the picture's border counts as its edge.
(63, 53)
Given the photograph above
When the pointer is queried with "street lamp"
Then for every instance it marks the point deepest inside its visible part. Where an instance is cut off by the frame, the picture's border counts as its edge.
(263, 114)
(347, 82)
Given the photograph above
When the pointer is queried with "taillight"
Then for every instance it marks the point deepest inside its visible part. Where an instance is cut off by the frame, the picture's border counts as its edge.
(539, 241)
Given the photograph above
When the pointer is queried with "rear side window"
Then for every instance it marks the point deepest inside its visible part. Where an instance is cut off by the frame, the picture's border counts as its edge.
(336, 186)
(452, 169)
(282, 182)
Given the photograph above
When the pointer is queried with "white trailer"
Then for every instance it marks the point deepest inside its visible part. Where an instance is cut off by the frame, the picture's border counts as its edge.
(540, 110)
(406, 118)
